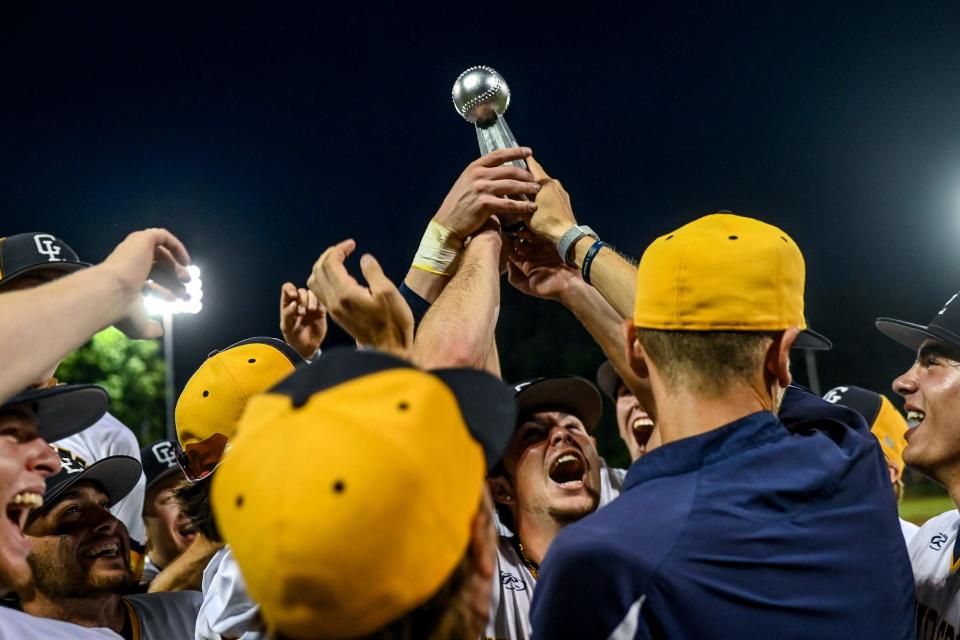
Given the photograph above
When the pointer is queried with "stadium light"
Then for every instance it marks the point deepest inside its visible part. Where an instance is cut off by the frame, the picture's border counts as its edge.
(166, 309)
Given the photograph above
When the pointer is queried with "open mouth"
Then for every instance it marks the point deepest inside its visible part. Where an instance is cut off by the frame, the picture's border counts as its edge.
(914, 418)
(568, 470)
(20, 507)
(186, 530)
(642, 428)
(102, 550)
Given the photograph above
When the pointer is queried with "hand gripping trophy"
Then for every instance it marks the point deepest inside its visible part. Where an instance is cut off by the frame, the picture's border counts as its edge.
(482, 96)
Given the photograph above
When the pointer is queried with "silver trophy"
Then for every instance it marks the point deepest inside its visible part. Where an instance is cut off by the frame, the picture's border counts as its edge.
(482, 96)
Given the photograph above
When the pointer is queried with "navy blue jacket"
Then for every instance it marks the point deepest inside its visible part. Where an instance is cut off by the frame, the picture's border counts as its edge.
(765, 528)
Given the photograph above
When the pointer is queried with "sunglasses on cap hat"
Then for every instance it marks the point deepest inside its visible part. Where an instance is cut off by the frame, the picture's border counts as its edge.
(199, 459)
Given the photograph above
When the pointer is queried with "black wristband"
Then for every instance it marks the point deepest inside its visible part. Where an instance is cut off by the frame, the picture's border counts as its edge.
(588, 259)
(417, 304)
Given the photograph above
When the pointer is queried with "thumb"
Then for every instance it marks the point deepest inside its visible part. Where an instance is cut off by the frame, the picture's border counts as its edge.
(373, 274)
(537, 170)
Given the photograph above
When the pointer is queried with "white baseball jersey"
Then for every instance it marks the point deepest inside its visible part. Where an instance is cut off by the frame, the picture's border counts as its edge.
(110, 437)
(513, 583)
(227, 608)
(935, 559)
(16, 625)
(908, 529)
(165, 616)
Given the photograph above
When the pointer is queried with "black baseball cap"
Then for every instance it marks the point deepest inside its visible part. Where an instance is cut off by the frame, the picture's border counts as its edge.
(486, 403)
(572, 394)
(26, 253)
(64, 409)
(608, 379)
(944, 327)
(159, 461)
(116, 475)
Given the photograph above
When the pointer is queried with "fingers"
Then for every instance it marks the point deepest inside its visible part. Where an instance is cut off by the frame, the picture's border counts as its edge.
(496, 204)
(167, 272)
(301, 301)
(378, 282)
(539, 174)
(288, 293)
(176, 249)
(508, 187)
(506, 172)
(498, 157)
(313, 304)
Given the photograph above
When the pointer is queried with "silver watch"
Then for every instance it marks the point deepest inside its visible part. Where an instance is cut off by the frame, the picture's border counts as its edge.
(568, 239)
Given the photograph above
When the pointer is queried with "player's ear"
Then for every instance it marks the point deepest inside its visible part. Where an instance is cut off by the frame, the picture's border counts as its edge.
(777, 364)
(501, 490)
(636, 356)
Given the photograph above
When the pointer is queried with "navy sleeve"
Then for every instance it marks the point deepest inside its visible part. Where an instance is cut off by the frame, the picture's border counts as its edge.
(586, 591)
(418, 305)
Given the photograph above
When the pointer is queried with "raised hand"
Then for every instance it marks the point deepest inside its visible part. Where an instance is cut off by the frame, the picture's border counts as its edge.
(153, 260)
(375, 315)
(303, 320)
(534, 268)
(554, 214)
(479, 192)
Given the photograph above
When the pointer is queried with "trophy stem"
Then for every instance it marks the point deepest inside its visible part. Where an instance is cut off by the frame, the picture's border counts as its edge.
(496, 134)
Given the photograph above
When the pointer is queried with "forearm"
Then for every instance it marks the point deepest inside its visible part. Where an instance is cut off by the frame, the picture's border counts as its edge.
(611, 274)
(492, 363)
(458, 329)
(603, 323)
(425, 284)
(185, 573)
(39, 326)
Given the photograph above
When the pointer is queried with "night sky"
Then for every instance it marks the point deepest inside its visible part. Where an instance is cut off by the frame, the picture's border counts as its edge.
(262, 136)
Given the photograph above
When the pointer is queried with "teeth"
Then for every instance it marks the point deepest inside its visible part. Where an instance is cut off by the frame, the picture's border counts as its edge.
(639, 423)
(29, 500)
(110, 549)
(914, 418)
(566, 458)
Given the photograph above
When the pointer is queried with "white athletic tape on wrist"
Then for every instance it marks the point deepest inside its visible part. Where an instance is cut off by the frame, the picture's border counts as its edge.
(439, 250)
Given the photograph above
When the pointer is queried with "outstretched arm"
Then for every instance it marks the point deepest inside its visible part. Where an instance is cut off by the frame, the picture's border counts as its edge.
(458, 330)
(610, 273)
(535, 268)
(39, 326)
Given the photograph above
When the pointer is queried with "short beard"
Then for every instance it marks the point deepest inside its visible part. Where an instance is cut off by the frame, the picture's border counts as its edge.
(69, 580)
(565, 516)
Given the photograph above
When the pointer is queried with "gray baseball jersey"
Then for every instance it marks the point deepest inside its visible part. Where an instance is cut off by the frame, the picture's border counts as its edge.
(935, 560)
(163, 616)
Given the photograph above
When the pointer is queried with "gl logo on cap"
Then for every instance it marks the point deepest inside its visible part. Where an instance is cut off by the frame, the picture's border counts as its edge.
(164, 454)
(45, 246)
(835, 395)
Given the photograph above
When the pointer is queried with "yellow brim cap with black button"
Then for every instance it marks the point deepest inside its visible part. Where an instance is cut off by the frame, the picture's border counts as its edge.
(349, 491)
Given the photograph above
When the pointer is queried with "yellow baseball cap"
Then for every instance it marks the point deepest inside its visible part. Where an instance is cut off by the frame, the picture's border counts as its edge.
(348, 493)
(886, 423)
(724, 272)
(213, 399)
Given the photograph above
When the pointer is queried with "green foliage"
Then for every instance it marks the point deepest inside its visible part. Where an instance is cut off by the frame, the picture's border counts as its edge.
(132, 372)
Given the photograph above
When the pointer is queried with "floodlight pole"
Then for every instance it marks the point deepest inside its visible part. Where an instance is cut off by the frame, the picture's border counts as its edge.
(169, 393)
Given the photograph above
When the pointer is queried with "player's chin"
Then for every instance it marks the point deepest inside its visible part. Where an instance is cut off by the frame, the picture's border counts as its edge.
(572, 508)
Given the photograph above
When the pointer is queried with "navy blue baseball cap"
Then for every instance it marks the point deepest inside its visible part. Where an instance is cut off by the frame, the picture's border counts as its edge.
(64, 409)
(944, 327)
(572, 394)
(27, 253)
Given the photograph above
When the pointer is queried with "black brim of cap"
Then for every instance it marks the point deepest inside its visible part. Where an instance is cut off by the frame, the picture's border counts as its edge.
(912, 335)
(166, 473)
(488, 408)
(573, 394)
(64, 410)
(116, 475)
(486, 402)
(812, 341)
(65, 266)
(608, 380)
